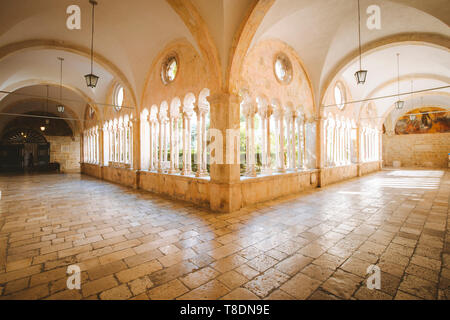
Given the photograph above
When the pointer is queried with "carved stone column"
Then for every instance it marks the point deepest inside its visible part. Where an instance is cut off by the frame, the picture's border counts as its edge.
(264, 113)
(172, 146)
(176, 144)
(201, 142)
(161, 144)
(204, 168)
(279, 127)
(301, 143)
(135, 146)
(187, 149)
(292, 163)
(249, 111)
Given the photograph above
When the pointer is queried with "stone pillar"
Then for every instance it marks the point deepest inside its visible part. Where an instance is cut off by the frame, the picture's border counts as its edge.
(279, 128)
(263, 143)
(249, 111)
(161, 144)
(176, 151)
(150, 149)
(268, 151)
(155, 144)
(201, 142)
(183, 137)
(225, 187)
(187, 150)
(301, 143)
(265, 111)
(204, 168)
(104, 137)
(359, 137)
(292, 161)
(99, 145)
(135, 151)
(124, 143)
(172, 147)
(252, 165)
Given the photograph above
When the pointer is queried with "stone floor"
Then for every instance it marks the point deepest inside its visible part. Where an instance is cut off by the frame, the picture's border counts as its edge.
(136, 245)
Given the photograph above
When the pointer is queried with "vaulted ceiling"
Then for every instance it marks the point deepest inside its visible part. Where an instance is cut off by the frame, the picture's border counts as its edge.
(130, 34)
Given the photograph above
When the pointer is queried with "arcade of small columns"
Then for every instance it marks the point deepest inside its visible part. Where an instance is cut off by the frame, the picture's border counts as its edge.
(118, 141)
(289, 134)
(168, 130)
(341, 138)
(91, 146)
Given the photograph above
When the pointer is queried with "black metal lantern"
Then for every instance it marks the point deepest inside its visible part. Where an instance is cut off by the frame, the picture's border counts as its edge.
(399, 104)
(360, 75)
(92, 79)
(60, 107)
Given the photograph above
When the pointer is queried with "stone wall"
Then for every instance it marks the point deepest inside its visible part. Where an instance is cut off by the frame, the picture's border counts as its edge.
(257, 190)
(66, 151)
(248, 191)
(334, 174)
(91, 170)
(126, 177)
(195, 190)
(417, 150)
(369, 167)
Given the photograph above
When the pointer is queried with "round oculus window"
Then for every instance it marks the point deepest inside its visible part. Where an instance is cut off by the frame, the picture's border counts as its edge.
(283, 68)
(169, 69)
(339, 97)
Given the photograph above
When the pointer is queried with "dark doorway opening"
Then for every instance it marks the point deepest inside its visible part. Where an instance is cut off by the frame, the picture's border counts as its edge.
(24, 149)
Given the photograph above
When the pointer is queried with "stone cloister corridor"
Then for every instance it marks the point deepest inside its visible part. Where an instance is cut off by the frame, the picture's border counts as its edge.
(268, 152)
(131, 244)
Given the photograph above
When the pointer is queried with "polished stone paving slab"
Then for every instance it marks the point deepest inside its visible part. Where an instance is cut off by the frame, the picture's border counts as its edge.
(131, 244)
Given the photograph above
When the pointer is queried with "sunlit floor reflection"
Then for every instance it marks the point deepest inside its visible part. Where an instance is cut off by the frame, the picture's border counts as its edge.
(417, 173)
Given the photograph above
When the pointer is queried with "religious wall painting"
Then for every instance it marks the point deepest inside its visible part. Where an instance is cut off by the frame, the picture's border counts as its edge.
(424, 120)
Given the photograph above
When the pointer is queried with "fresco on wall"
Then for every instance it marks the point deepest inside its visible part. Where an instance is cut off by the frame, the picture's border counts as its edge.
(427, 122)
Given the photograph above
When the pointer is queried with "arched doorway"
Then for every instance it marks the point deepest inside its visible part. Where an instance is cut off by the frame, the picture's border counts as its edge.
(21, 149)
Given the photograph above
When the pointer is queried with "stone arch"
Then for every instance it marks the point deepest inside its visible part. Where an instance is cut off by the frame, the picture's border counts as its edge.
(16, 47)
(76, 125)
(243, 40)
(198, 28)
(427, 39)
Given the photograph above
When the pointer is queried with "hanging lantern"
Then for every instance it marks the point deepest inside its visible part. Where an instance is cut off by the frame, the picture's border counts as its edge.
(399, 104)
(92, 79)
(60, 107)
(361, 76)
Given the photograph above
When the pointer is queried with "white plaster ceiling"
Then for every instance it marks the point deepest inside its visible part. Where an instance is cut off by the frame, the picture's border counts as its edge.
(426, 66)
(43, 65)
(131, 33)
(27, 99)
(128, 33)
(223, 18)
(324, 32)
